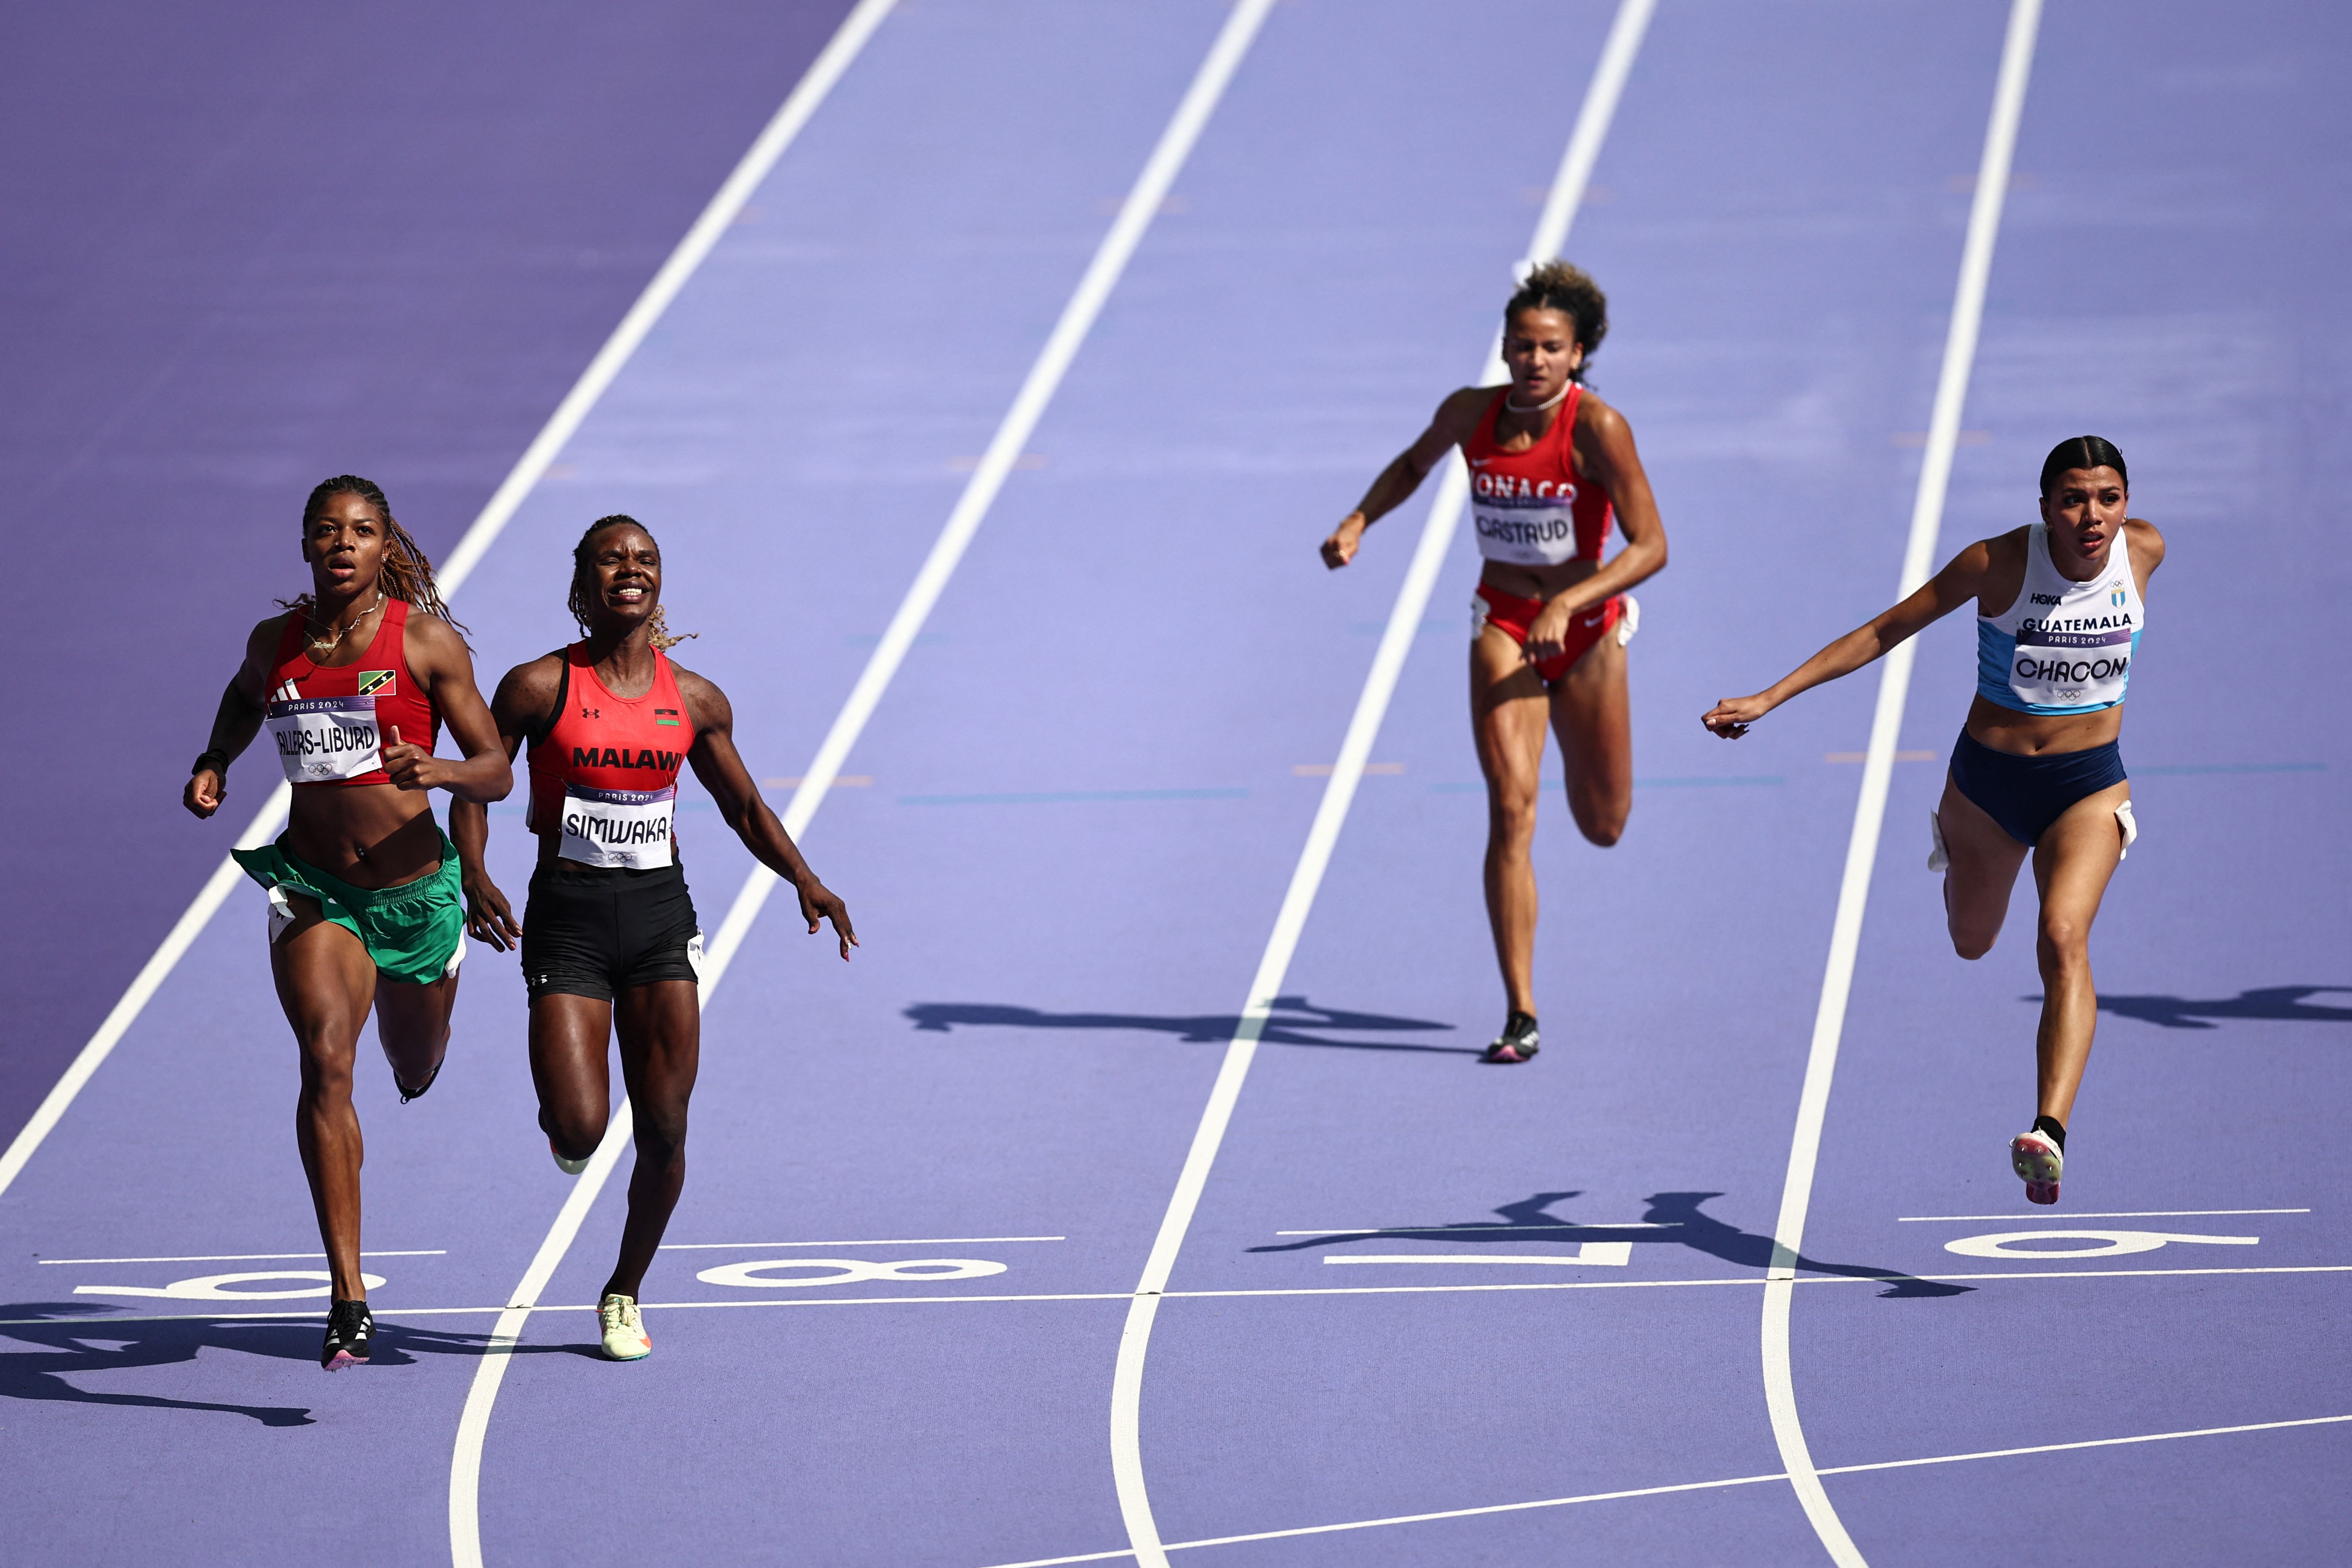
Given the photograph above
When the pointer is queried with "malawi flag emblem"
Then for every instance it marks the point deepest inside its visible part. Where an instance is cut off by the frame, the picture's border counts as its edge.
(377, 683)
(668, 716)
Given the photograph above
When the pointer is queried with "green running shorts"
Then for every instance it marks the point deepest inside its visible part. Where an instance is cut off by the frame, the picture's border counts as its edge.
(415, 932)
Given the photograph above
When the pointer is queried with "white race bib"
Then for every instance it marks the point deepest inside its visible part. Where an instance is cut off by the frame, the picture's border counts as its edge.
(628, 827)
(321, 739)
(2074, 661)
(1522, 523)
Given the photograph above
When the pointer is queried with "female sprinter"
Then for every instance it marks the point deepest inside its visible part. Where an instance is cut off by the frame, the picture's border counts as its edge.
(1549, 464)
(2037, 767)
(609, 938)
(354, 681)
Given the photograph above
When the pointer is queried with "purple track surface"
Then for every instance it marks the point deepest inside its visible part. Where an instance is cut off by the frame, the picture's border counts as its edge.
(1066, 829)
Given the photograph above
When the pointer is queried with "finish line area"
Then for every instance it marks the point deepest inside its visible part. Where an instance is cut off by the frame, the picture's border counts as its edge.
(988, 419)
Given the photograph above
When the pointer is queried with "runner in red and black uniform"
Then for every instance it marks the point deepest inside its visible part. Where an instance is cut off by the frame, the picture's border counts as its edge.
(354, 682)
(609, 938)
(1550, 466)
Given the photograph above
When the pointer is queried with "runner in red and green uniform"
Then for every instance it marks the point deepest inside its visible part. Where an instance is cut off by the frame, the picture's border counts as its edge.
(354, 682)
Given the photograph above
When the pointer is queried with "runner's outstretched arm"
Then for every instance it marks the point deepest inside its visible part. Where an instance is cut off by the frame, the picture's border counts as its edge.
(1456, 418)
(1962, 580)
(235, 722)
(716, 762)
(523, 706)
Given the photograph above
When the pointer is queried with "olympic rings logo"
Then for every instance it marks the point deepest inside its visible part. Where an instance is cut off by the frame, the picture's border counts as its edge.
(757, 1276)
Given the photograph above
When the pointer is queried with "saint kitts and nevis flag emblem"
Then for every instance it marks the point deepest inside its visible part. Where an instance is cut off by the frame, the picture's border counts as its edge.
(377, 683)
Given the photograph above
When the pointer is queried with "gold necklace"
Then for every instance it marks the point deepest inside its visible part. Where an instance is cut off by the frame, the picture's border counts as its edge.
(321, 645)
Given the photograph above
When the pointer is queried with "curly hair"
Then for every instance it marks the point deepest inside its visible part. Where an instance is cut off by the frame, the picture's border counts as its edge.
(583, 572)
(2083, 452)
(1570, 290)
(406, 574)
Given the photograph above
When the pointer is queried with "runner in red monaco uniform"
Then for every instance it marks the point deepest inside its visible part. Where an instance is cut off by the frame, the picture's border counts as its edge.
(610, 943)
(1551, 465)
(354, 681)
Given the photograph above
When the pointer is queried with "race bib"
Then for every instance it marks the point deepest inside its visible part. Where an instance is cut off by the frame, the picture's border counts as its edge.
(2070, 668)
(1524, 524)
(629, 828)
(322, 739)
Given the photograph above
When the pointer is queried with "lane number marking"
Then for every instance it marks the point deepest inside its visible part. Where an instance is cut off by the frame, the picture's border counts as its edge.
(2103, 1243)
(757, 1276)
(214, 1287)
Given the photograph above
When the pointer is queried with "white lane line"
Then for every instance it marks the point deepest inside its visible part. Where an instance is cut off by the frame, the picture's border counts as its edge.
(1442, 1232)
(2088, 1442)
(238, 1257)
(1724, 1483)
(911, 1241)
(2045, 1214)
(1003, 453)
(799, 106)
(1870, 808)
(478, 539)
(1218, 1295)
(1616, 62)
(1044, 377)
(1606, 1254)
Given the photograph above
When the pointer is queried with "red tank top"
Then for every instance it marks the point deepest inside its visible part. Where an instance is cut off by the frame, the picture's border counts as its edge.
(331, 722)
(604, 777)
(1529, 507)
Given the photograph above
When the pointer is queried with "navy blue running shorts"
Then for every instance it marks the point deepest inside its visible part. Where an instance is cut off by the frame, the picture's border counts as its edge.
(2026, 795)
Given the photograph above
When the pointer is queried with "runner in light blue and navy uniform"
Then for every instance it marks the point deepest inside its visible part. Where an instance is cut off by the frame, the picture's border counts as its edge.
(2037, 768)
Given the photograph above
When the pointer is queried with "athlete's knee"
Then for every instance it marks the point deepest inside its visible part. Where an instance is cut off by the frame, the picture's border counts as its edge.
(326, 1067)
(2063, 942)
(1602, 825)
(661, 1132)
(1511, 817)
(574, 1136)
(1972, 945)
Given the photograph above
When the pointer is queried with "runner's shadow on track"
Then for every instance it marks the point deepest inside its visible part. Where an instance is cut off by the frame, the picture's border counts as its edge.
(1286, 1026)
(1679, 1221)
(67, 1326)
(2285, 1003)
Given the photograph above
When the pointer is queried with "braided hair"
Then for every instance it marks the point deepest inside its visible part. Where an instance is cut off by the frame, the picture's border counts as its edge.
(406, 574)
(2083, 452)
(1570, 290)
(584, 571)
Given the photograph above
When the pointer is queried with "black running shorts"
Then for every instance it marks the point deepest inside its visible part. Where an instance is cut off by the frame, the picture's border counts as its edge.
(593, 931)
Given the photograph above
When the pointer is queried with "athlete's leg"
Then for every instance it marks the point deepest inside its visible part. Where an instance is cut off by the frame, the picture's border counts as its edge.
(1507, 713)
(1593, 717)
(2077, 855)
(412, 1024)
(660, 1029)
(1984, 865)
(325, 979)
(570, 1042)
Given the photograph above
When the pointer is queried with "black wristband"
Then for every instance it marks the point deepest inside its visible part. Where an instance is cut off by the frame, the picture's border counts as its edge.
(214, 759)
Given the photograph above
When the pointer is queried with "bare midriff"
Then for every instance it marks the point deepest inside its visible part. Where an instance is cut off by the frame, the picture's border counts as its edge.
(2034, 734)
(1544, 582)
(371, 835)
